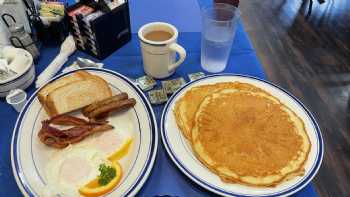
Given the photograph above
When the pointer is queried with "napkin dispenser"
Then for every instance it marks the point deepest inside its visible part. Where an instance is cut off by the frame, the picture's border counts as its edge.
(104, 34)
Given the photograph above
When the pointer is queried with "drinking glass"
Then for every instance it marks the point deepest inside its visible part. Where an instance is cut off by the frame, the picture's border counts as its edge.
(219, 22)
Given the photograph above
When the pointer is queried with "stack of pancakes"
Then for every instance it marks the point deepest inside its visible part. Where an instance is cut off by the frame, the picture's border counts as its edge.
(243, 134)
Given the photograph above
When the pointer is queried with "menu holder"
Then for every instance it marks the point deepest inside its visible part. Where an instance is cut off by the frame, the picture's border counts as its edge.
(103, 35)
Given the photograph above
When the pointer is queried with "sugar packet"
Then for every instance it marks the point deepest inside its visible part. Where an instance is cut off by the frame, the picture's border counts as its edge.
(195, 76)
(146, 82)
(157, 96)
(170, 86)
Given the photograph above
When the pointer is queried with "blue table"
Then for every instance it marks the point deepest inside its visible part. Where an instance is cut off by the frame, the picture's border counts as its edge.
(165, 179)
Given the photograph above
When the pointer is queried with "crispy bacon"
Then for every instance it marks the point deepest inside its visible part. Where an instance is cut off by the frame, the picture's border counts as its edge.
(54, 137)
(52, 130)
(99, 121)
(68, 120)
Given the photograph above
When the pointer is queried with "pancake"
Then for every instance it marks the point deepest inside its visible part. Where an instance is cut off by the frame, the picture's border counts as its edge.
(249, 138)
(186, 107)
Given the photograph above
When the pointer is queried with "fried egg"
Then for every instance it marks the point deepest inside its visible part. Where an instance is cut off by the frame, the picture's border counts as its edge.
(108, 142)
(71, 168)
(78, 164)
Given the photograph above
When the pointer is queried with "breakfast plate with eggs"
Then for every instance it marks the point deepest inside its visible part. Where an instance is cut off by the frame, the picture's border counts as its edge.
(90, 132)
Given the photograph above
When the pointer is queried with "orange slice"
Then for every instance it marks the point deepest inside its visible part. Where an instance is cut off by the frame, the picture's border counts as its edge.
(94, 189)
(122, 151)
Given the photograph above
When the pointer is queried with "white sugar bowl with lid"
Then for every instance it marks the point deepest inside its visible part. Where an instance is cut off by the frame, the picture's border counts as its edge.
(17, 70)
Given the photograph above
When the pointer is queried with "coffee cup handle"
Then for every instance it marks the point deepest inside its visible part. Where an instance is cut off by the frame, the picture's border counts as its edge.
(182, 55)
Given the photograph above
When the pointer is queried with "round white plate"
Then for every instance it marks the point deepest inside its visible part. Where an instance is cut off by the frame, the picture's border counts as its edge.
(181, 153)
(29, 156)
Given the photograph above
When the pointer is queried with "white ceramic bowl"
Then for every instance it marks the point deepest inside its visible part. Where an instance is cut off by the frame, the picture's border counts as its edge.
(22, 60)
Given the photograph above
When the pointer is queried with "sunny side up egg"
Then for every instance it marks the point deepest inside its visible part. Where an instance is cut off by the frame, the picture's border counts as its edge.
(78, 164)
(72, 168)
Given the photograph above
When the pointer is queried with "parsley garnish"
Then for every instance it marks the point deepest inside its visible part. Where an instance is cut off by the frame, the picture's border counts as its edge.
(107, 173)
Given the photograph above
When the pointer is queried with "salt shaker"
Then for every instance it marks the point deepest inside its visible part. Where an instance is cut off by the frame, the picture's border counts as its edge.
(20, 38)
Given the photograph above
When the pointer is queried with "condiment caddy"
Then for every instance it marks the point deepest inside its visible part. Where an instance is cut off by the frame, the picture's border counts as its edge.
(98, 30)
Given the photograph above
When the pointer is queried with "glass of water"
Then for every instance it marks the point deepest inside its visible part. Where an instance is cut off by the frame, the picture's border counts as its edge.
(219, 23)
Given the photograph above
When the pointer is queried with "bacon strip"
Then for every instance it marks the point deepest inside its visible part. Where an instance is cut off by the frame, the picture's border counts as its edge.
(62, 138)
(51, 130)
(68, 120)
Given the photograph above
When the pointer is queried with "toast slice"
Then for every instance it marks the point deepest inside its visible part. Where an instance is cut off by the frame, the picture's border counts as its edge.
(77, 76)
(76, 95)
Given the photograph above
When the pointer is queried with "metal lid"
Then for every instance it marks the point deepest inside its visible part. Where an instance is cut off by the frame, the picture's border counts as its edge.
(16, 28)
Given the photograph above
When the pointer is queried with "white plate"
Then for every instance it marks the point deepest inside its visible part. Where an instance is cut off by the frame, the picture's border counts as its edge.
(181, 153)
(29, 155)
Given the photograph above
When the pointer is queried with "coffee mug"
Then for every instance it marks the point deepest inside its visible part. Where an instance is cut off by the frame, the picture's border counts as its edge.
(159, 48)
